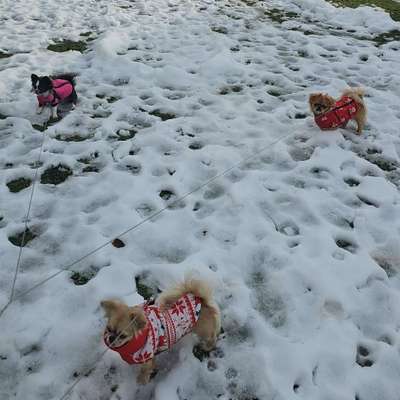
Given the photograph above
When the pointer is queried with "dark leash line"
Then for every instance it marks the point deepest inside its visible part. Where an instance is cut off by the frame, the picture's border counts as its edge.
(142, 222)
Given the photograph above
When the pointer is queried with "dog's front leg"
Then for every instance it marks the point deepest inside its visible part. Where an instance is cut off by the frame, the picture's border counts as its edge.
(54, 112)
(39, 110)
(145, 372)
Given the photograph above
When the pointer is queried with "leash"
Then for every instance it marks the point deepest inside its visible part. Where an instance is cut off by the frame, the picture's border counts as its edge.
(26, 220)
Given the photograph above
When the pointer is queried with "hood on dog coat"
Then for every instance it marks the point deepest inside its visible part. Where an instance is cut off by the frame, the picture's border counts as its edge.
(163, 330)
(342, 112)
(61, 90)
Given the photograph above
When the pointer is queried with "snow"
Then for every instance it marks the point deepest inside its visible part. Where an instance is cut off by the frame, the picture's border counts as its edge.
(299, 241)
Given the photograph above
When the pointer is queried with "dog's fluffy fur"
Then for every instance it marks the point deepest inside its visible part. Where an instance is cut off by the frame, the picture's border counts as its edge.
(321, 103)
(41, 85)
(126, 322)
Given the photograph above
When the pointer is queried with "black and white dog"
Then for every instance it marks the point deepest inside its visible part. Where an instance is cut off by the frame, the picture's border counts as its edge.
(54, 90)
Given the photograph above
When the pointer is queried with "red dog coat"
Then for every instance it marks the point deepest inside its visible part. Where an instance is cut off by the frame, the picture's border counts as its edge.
(343, 111)
(163, 329)
(61, 90)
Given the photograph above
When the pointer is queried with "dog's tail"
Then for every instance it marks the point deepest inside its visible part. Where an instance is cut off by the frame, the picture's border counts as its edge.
(355, 93)
(66, 77)
(197, 287)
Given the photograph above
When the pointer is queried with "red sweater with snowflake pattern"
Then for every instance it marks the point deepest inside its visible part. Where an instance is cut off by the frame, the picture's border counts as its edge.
(341, 113)
(163, 330)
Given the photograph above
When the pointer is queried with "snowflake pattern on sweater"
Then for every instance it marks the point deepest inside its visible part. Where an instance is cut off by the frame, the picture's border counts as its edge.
(163, 330)
(343, 111)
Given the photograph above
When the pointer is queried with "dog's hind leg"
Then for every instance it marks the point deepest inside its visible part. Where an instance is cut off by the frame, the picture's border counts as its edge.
(54, 114)
(361, 118)
(208, 327)
(73, 98)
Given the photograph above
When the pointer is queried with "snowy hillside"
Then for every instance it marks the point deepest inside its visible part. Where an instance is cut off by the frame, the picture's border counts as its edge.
(199, 109)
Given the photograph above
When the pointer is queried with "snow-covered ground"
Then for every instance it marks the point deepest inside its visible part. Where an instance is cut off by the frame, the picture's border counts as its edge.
(301, 241)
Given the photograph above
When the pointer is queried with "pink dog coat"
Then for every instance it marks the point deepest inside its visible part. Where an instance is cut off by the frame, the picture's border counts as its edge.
(343, 111)
(61, 90)
(163, 330)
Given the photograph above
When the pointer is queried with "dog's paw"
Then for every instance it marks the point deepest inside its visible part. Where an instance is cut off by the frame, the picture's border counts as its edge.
(39, 110)
(143, 378)
(53, 119)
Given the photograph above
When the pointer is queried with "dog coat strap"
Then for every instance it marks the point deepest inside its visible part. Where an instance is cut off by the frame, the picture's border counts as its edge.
(344, 110)
(127, 350)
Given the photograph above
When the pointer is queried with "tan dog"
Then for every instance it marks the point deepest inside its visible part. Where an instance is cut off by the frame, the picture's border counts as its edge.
(139, 333)
(330, 114)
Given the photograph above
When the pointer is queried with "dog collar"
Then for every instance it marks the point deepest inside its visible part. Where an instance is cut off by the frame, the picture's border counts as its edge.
(131, 347)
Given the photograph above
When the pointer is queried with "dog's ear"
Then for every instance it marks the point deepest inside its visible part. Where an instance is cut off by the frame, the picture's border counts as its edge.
(312, 98)
(137, 317)
(109, 306)
(34, 78)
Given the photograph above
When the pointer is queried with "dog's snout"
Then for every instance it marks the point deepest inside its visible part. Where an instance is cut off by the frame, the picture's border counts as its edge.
(112, 338)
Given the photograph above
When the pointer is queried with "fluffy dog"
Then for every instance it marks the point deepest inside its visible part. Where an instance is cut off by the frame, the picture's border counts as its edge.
(139, 333)
(54, 90)
(330, 114)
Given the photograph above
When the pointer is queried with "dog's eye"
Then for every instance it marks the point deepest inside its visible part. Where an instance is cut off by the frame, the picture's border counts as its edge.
(122, 336)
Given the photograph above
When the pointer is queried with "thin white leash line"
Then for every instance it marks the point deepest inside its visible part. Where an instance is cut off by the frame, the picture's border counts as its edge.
(143, 221)
(27, 218)
(25, 225)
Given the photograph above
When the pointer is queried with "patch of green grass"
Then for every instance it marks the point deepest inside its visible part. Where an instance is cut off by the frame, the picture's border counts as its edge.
(200, 353)
(101, 114)
(166, 194)
(55, 175)
(274, 92)
(19, 240)
(72, 138)
(126, 134)
(390, 6)
(4, 55)
(67, 45)
(163, 115)
(386, 37)
(90, 168)
(114, 388)
(110, 99)
(220, 29)
(88, 159)
(19, 184)
(196, 146)
(40, 128)
(145, 286)
(279, 16)
(231, 89)
(82, 278)
(382, 163)
(387, 265)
